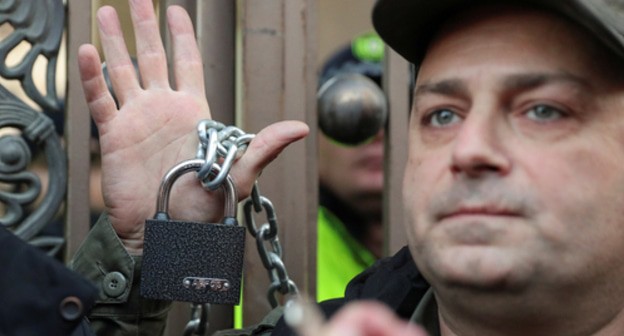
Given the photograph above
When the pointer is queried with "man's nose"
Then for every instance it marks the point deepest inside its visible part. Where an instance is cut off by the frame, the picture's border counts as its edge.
(479, 147)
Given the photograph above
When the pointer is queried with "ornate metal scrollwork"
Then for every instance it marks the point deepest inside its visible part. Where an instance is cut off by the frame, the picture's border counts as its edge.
(40, 23)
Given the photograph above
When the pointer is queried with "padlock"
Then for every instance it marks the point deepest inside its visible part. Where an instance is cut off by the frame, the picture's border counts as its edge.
(193, 262)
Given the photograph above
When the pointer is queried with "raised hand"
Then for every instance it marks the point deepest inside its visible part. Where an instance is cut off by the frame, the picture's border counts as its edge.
(154, 127)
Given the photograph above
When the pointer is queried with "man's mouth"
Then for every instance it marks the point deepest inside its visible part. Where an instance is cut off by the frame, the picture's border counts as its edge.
(481, 210)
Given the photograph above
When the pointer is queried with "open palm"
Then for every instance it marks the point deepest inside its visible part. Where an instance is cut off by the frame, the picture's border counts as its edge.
(154, 126)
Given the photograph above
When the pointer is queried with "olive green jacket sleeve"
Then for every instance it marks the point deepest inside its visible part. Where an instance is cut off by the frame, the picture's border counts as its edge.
(119, 309)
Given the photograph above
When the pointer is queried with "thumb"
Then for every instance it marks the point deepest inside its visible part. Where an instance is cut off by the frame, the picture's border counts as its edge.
(263, 149)
(370, 319)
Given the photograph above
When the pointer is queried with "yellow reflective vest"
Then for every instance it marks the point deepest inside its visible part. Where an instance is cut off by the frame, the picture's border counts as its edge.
(339, 256)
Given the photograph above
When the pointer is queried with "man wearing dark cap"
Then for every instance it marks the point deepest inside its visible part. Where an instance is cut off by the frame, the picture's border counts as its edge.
(514, 179)
(513, 184)
(349, 234)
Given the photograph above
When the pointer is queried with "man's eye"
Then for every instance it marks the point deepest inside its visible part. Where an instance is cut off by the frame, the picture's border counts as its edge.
(442, 118)
(544, 113)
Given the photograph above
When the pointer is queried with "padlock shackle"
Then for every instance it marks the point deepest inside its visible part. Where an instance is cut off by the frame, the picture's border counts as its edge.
(162, 202)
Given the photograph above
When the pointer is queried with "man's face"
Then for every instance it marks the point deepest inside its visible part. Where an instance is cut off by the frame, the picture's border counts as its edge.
(515, 175)
(354, 174)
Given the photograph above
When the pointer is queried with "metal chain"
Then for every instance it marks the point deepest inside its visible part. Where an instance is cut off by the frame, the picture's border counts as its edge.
(217, 141)
(198, 323)
(267, 235)
(224, 145)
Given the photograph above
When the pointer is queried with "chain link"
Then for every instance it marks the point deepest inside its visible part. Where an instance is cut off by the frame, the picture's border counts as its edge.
(224, 145)
(267, 235)
(217, 141)
(198, 323)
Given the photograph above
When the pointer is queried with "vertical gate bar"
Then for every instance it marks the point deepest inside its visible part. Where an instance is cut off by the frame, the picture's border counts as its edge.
(214, 22)
(215, 26)
(300, 215)
(77, 125)
(278, 82)
(396, 86)
(261, 89)
(180, 312)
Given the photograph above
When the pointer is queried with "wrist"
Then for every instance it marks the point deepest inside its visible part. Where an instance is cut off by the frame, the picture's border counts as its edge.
(133, 246)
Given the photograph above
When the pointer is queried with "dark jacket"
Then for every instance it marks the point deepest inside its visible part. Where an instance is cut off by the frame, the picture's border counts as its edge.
(394, 281)
(38, 294)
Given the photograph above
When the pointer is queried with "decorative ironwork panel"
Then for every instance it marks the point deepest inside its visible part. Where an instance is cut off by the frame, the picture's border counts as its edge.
(40, 25)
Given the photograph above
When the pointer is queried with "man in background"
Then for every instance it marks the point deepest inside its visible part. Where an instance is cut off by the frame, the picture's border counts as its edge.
(350, 233)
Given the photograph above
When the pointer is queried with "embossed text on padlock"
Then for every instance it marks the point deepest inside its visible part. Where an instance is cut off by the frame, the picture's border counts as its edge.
(212, 284)
(193, 262)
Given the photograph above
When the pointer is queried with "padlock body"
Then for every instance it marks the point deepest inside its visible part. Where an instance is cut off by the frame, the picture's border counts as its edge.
(192, 262)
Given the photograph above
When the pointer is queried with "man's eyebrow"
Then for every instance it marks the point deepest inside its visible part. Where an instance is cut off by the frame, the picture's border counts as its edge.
(515, 82)
(448, 87)
(521, 82)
